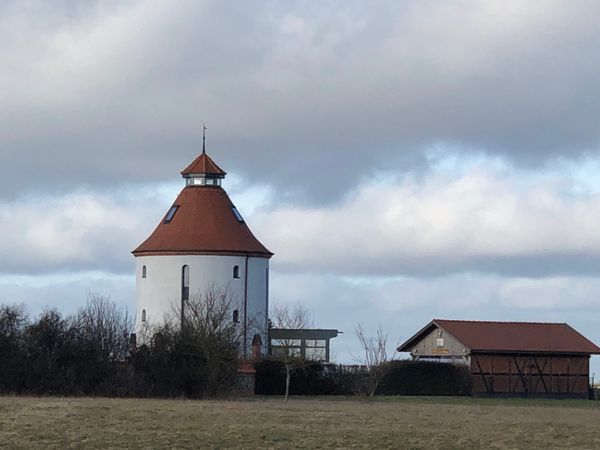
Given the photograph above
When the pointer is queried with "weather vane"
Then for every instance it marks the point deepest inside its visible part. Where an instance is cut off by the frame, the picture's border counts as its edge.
(204, 139)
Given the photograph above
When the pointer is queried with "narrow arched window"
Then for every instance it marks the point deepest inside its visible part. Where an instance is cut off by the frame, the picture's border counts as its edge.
(236, 271)
(185, 283)
(256, 346)
(143, 315)
(236, 316)
(144, 271)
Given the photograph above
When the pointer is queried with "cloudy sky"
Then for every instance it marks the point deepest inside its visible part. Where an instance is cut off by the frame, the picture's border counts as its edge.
(404, 160)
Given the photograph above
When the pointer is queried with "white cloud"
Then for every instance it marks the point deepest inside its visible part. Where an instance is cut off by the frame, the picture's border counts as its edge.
(76, 231)
(553, 293)
(479, 221)
(482, 220)
(93, 230)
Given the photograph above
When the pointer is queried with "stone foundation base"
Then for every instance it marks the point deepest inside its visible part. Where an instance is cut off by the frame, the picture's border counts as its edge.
(244, 381)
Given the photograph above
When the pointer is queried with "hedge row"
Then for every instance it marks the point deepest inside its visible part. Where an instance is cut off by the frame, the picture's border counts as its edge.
(425, 378)
(399, 378)
(311, 378)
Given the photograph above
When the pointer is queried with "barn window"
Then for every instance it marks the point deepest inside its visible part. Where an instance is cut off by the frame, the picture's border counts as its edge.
(171, 213)
(143, 271)
(143, 315)
(236, 271)
(185, 282)
(236, 316)
(439, 342)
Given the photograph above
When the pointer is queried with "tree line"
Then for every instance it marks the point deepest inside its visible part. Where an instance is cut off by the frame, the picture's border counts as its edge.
(91, 352)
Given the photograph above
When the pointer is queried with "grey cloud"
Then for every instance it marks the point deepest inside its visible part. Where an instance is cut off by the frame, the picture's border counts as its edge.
(311, 97)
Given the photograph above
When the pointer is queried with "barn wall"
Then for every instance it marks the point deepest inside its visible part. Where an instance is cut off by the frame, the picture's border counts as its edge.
(531, 375)
(428, 345)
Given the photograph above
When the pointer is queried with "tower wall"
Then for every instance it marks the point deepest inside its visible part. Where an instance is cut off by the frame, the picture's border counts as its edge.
(159, 294)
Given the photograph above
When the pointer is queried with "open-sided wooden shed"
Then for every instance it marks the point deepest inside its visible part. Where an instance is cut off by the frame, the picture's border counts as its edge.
(510, 358)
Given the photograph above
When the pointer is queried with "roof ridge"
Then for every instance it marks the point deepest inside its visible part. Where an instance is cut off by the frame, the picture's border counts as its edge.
(500, 321)
(510, 336)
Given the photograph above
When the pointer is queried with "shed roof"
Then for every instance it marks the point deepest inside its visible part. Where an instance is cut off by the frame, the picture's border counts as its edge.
(526, 337)
(302, 333)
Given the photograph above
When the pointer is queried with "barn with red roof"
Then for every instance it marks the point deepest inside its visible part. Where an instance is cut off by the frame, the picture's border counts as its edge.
(510, 358)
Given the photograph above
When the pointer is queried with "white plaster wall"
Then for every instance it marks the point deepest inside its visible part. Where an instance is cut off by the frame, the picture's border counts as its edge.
(258, 299)
(161, 289)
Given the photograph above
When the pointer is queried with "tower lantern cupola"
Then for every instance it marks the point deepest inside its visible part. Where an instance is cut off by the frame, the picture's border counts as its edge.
(203, 171)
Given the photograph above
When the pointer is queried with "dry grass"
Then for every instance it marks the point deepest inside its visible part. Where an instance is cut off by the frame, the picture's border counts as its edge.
(305, 423)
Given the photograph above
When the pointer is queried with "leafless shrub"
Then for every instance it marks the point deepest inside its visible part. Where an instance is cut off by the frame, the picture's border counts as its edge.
(209, 314)
(374, 356)
(209, 334)
(105, 326)
(294, 317)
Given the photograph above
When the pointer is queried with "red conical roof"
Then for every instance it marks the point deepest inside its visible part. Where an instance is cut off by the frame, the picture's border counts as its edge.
(204, 222)
(203, 165)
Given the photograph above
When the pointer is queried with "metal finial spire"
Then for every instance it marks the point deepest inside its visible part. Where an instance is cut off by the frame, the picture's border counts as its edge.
(204, 140)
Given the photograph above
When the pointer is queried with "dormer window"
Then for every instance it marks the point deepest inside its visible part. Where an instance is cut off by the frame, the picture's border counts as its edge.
(171, 213)
(237, 215)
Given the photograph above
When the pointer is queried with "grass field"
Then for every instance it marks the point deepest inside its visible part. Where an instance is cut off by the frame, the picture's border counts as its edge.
(306, 423)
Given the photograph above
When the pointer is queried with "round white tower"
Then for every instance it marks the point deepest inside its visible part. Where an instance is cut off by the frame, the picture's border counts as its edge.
(204, 243)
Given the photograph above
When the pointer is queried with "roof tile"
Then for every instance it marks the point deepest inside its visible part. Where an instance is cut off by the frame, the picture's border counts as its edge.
(512, 336)
(203, 164)
(203, 224)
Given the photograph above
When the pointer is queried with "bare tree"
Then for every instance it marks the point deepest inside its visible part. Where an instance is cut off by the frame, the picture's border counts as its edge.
(209, 330)
(375, 356)
(294, 317)
(105, 325)
(210, 313)
(13, 323)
